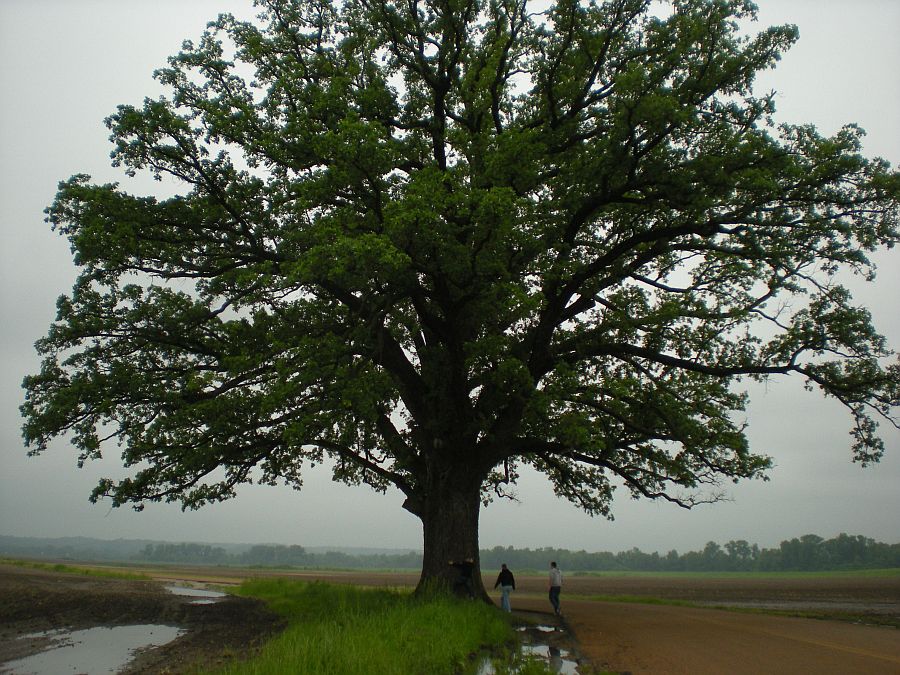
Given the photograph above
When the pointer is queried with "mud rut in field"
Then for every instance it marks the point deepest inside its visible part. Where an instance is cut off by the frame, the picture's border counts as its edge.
(35, 602)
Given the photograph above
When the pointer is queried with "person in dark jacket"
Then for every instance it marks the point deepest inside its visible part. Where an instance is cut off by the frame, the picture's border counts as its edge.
(507, 583)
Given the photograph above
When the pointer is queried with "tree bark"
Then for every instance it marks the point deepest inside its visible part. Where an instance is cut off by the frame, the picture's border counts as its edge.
(449, 513)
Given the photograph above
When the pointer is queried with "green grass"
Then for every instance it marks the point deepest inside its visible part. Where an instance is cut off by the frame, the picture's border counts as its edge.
(334, 629)
(72, 569)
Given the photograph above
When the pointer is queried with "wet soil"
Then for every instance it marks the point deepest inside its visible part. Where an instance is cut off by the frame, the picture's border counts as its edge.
(33, 601)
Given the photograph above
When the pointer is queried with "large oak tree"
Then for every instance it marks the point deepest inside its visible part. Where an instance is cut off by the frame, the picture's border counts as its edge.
(434, 241)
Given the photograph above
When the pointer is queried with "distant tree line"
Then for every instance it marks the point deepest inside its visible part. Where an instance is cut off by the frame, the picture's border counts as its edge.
(276, 555)
(807, 553)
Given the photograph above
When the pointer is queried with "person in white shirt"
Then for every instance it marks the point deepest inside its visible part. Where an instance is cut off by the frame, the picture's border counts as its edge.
(555, 587)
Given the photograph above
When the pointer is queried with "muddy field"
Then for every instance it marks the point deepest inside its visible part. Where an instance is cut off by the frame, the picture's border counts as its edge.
(33, 600)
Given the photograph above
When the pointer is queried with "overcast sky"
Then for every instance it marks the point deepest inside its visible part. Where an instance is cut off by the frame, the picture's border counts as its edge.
(66, 64)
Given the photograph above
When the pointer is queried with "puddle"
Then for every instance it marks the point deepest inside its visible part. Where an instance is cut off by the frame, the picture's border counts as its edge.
(204, 597)
(101, 650)
(560, 660)
(533, 647)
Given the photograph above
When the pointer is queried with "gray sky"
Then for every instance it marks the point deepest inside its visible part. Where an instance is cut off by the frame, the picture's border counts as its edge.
(66, 64)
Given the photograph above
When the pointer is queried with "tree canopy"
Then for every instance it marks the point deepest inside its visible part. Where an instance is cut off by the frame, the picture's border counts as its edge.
(437, 240)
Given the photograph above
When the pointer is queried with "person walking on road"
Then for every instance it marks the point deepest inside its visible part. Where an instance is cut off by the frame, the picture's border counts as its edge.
(507, 583)
(555, 587)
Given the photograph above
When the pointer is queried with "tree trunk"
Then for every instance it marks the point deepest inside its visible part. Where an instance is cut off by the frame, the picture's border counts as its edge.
(449, 516)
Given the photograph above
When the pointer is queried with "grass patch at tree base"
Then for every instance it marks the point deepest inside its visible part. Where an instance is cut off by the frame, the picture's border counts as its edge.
(348, 630)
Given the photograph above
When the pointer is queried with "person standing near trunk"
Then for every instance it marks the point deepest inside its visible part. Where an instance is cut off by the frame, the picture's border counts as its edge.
(555, 587)
(507, 583)
(464, 586)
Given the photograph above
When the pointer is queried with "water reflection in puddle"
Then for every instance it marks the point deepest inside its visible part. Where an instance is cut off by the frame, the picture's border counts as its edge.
(559, 660)
(105, 649)
(203, 596)
(542, 629)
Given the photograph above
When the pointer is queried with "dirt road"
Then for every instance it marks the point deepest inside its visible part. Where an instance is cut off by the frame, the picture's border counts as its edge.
(666, 640)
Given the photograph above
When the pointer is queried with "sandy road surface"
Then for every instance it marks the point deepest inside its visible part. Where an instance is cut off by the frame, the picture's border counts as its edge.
(665, 640)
